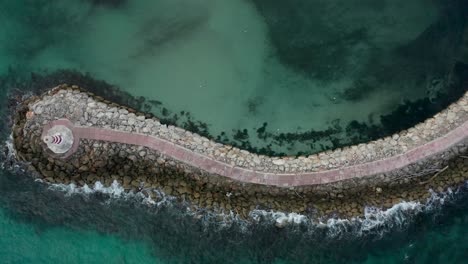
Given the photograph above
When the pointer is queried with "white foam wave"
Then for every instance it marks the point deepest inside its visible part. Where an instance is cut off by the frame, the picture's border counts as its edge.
(280, 219)
(375, 217)
(9, 155)
(375, 221)
(114, 191)
(10, 147)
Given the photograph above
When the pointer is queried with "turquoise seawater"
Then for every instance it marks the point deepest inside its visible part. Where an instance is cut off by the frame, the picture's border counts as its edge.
(290, 74)
(22, 243)
(39, 225)
(270, 76)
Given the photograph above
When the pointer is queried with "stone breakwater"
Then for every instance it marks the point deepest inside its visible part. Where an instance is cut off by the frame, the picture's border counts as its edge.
(116, 143)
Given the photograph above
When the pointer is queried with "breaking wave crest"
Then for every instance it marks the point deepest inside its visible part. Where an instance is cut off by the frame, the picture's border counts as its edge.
(115, 191)
(8, 155)
(375, 221)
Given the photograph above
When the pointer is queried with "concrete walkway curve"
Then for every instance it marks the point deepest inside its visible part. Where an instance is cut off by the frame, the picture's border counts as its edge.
(458, 135)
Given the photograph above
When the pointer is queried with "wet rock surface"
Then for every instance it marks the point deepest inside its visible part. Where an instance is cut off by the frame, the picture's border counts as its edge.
(139, 168)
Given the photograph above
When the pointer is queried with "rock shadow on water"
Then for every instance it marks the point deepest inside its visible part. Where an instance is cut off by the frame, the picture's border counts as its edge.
(405, 115)
(173, 234)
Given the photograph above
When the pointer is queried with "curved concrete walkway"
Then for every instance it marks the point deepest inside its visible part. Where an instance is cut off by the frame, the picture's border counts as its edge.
(187, 156)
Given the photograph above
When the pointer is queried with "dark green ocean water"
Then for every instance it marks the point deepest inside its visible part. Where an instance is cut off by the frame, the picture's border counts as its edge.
(38, 225)
(266, 75)
(235, 65)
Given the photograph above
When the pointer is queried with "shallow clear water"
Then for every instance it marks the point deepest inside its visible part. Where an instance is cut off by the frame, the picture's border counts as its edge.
(307, 68)
(233, 65)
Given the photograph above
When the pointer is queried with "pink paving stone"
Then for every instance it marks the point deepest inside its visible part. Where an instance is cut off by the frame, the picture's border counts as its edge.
(272, 177)
(173, 152)
(229, 173)
(223, 169)
(169, 150)
(187, 156)
(227, 170)
(341, 177)
(295, 180)
(180, 153)
(140, 140)
(153, 144)
(236, 172)
(403, 160)
(216, 169)
(207, 164)
(260, 178)
(327, 177)
(159, 145)
(249, 176)
(284, 182)
(280, 179)
(196, 159)
(349, 172)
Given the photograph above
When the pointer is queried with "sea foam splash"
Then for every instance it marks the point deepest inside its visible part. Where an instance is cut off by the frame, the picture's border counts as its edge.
(8, 155)
(10, 147)
(114, 191)
(375, 221)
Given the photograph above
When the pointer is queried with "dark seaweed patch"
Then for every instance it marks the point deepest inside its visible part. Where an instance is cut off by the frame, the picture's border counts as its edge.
(108, 3)
(336, 135)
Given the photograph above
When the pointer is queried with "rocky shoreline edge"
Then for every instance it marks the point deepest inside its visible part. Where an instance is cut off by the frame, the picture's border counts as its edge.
(139, 168)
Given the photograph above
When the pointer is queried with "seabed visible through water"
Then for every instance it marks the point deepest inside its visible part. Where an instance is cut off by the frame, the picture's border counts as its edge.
(269, 76)
(286, 78)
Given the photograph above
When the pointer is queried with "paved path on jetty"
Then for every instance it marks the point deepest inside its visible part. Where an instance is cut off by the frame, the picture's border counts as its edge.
(205, 163)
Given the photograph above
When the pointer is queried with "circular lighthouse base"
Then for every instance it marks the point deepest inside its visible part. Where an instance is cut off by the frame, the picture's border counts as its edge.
(59, 139)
